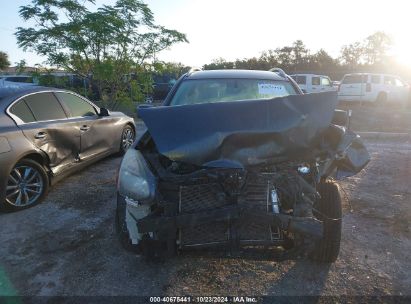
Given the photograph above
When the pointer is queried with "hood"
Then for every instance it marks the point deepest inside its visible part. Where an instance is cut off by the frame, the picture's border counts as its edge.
(241, 133)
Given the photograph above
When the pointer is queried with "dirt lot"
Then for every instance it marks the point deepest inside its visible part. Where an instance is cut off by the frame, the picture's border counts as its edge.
(67, 246)
(379, 118)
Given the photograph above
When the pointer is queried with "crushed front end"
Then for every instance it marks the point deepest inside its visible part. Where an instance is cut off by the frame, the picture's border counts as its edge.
(237, 183)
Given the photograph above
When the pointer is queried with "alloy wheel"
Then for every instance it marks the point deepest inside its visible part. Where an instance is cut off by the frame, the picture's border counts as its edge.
(127, 138)
(25, 185)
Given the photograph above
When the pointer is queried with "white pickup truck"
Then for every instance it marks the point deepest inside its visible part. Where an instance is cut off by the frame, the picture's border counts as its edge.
(312, 83)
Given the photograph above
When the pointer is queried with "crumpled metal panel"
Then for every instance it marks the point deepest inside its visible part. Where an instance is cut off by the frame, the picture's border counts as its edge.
(240, 133)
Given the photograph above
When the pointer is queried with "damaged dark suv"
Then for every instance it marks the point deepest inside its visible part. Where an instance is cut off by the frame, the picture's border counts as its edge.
(237, 159)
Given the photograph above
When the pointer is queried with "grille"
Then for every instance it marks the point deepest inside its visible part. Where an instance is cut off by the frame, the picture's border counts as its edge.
(202, 197)
(197, 198)
(256, 197)
(204, 234)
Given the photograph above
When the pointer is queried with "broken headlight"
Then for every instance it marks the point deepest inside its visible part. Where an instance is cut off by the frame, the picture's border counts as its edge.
(135, 180)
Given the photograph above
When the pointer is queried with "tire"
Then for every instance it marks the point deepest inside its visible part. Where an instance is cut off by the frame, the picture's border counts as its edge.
(329, 206)
(27, 186)
(381, 98)
(122, 232)
(128, 136)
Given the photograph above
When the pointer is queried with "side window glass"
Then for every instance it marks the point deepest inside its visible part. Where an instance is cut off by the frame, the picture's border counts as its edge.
(22, 111)
(375, 79)
(45, 106)
(325, 81)
(301, 79)
(77, 106)
(388, 80)
(398, 82)
(351, 79)
(315, 81)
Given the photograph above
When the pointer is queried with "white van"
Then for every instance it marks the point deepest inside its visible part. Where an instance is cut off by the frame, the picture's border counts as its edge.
(312, 83)
(369, 87)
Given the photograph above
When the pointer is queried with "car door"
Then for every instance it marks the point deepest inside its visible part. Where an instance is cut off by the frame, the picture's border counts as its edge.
(98, 134)
(49, 129)
(353, 86)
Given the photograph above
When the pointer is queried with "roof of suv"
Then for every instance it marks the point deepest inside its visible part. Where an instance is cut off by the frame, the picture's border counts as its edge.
(248, 74)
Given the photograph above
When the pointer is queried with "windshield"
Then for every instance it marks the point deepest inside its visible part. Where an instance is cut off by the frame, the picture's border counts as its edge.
(222, 90)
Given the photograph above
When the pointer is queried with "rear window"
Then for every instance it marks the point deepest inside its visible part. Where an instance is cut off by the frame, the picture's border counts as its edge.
(45, 106)
(223, 90)
(21, 110)
(351, 79)
(300, 79)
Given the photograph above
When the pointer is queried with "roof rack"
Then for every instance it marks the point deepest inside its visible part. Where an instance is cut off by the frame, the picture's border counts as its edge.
(192, 70)
(278, 71)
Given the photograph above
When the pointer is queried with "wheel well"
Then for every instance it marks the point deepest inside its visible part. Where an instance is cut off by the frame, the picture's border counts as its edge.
(132, 126)
(36, 157)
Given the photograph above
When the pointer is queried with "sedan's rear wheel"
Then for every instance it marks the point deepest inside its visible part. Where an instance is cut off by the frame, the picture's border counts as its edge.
(27, 185)
(127, 138)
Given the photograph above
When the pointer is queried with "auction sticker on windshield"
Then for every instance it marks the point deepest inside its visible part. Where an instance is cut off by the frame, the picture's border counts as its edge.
(266, 88)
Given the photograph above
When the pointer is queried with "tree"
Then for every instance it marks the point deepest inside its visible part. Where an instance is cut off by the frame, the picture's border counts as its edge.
(299, 53)
(21, 66)
(171, 69)
(376, 47)
(352, 54)
(219, 64)
(4, 60)
(105, 45)
(322, 61)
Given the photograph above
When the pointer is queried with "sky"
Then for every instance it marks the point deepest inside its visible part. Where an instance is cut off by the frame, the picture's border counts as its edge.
(234, 29)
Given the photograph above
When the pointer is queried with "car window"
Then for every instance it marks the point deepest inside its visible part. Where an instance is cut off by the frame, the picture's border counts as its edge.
(45, 106)
(223, 90)
(352, 79)
(399, 82)
(349, 79)
(315, 81)
(20, 79)
(78, 107)
(22, 111)
(325, 81)
(376, 79)
(300, 79)
(388, 80)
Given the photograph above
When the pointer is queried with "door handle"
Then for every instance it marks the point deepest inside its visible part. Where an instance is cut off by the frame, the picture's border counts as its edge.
(40, 135)
(84, 128)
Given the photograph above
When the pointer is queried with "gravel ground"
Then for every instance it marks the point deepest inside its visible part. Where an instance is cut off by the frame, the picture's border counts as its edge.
(67, 246)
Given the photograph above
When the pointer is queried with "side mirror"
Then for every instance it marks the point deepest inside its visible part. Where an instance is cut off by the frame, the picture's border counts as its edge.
(103, 112)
